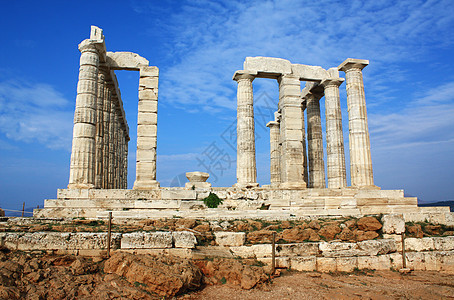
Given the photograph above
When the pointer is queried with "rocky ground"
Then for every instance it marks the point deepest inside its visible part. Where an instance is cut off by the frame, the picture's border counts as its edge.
(258, 231)
(124, 276)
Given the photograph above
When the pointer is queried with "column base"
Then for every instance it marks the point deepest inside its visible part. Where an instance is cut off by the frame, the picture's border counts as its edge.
(146, 185)
(246, 185)
(293, 185)
(80, 186)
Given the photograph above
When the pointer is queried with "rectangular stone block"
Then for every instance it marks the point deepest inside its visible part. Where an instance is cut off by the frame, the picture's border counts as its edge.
(444, 243)
(416, 261)
(147, 118)
(346, 264)
(72, 193)
(148, 106)
(149, 82)
(228, 239)
(340, 249)
(381, 262)
(148, 94)
(281, 262)
(305, 72)
(147, 131)
(148, 155)
(377, 247)
(142, 240)
(149, 71)
(184, 239)
(308, 263)
(299, 249)
(326, 264)
(178, 195)
(422, 244)
(243, 251)
(262, 250)
(268, 65)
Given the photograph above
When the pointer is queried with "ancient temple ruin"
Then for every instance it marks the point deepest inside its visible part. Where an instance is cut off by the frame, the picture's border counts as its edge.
(299, 186)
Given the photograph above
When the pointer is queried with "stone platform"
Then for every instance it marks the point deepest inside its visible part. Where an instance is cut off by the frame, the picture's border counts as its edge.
(257, 203)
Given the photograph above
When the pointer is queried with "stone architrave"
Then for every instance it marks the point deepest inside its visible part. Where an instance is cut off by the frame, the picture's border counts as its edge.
(360, 157)
(147, 121)
(315, 142)
(246, 171)
(275, 175)
(83, 154)
(292, 166)
(335, 156)
(100, 130)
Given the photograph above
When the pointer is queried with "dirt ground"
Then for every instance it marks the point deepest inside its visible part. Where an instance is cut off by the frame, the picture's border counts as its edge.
(360, 285)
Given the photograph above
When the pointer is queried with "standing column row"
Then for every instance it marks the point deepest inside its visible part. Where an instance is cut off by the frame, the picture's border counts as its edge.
(147, 129)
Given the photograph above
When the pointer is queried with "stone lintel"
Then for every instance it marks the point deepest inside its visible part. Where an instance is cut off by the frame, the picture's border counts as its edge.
(332, 81)
(272, 123)
(309, 73)
(268, 67)
(244, 74)
(350, 63)
(126, 61)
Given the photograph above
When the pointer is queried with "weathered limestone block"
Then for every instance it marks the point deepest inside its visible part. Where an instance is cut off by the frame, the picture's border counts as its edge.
(262, 250)
(184, 239)
(394, 223)
(346, 264)
(340, 249)
(444, 243)
(305, 72)
(326, 264)
(197, 180)
(308, 263)
(299, 249)
(432, 261)
(376, 247)
(446, 261)
(269, 66)
(416, 261)
(146, 240)
(178, 194)
(423, 244)
(149, 71)
(125, 61)
(381, 262)
(243, 251)
(228, 239)
(281, 262)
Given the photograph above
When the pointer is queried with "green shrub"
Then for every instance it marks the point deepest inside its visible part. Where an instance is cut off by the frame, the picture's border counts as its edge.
(212, 201)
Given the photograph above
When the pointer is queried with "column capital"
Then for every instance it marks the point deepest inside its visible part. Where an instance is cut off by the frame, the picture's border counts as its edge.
(353, 63)
(243, 74)
(332, 82)
(272, 124)
(89, 45)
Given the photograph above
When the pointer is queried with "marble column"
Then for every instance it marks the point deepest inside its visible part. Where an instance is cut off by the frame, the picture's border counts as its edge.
(106, 119)
(147, 129)
(292, 167)
(115, 147)
(100, 130)
(112, 141)
(246, 171)
(315, 143)
(275, 176)
(125, 183)
(335, 157)
(360, 157)
(305, 174)
(83, 154)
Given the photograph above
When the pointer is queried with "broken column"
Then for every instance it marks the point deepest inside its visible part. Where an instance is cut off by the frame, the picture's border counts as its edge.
(360, 156)
(246, 171)
(315, 142)
(335, 154)
(275, 176)
(83, 154)
(292, 166)
(147, 127)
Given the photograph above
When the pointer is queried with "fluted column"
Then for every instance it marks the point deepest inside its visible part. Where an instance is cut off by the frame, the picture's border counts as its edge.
(125, 184)
(99, 130)
(275, 176)
(292, 171)
(112, 142)
(147, 129)
(335, 157)
(82, 166)
(315, 143)
(246, 171)
(305, 174)
(359, 141)
(105, 138)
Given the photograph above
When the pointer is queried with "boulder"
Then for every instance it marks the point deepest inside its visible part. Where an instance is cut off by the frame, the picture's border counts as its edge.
(329, 231)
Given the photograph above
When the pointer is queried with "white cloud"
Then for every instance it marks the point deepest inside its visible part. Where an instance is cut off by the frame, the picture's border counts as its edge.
(35, 113)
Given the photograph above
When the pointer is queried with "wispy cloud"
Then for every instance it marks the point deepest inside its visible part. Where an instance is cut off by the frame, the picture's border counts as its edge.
(210, 41)
(35, 113)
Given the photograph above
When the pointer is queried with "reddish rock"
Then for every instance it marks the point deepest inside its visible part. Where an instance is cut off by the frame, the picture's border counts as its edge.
(255, 224)
(260, 236)
(329, 232)
(361, 235)
(295, 234)
(186, 223)
(414, 231)
(314, 224)
(163, 275)
(350, 224)
(285, 224)
(433, 229)
(369, 224)
(346, 235)
(202, 228)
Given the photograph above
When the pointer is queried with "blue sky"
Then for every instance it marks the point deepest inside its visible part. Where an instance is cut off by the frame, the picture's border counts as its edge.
(198, 45)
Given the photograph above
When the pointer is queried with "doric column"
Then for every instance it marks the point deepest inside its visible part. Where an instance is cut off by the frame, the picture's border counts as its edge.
(246, 171)
(125, 183)
(360, 157)
(119, 157)
(305, 174)
(82, 167)
(292, 166)
(105, 138)
(315, 142)
(335, 157)
(115, 153)
(275, 176)
(112, 141)
(99, 130)
(147, 129)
